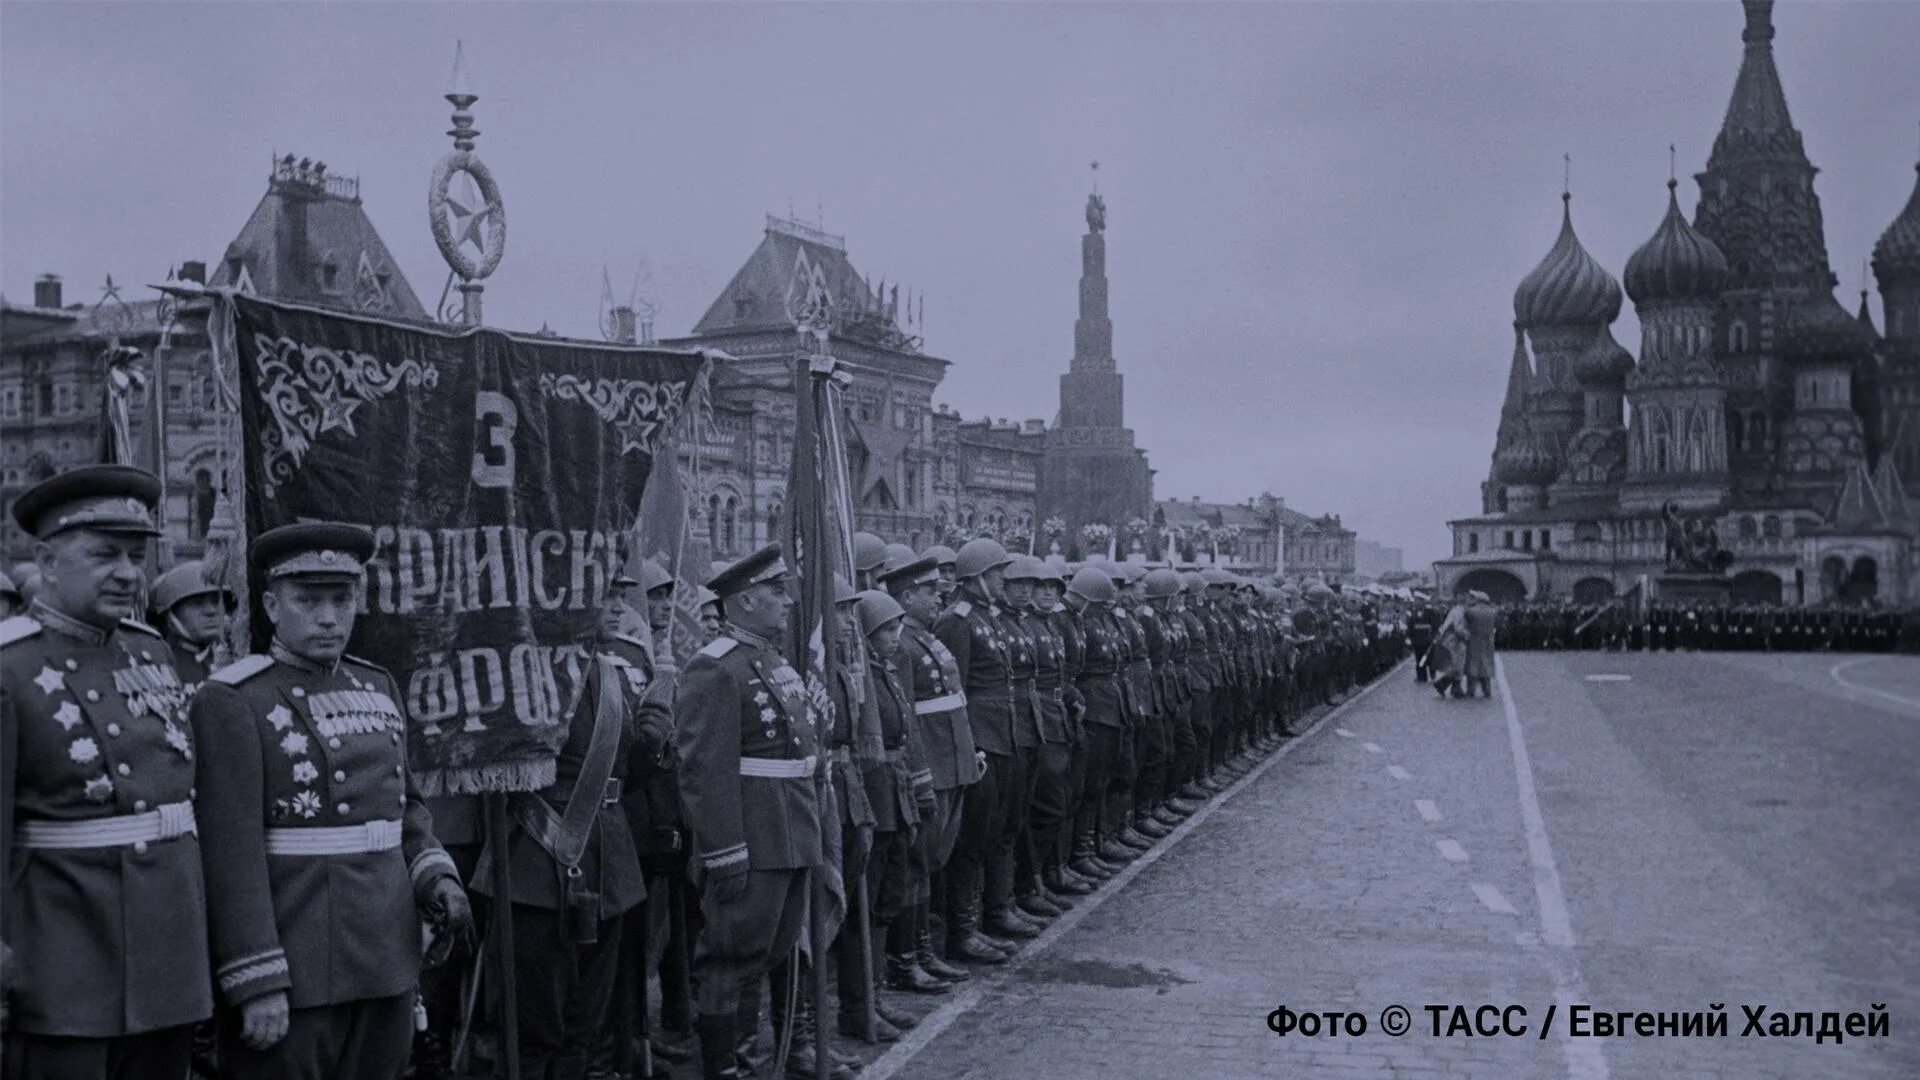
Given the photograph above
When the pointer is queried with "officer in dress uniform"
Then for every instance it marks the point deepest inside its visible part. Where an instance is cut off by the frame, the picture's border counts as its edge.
(104, 911)
(752, 786)
(320, 858)
(1040, 677)
(931, 678)
(1091, 595)
(192, 611)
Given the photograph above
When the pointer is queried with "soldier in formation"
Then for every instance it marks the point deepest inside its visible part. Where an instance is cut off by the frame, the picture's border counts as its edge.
(1680, 625)
(1006, 736)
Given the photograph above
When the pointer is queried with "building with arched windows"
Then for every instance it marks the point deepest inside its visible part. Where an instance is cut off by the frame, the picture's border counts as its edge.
(1755, 401)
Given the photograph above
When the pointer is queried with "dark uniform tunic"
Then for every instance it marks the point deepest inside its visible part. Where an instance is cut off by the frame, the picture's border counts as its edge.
(108, 939)
(751, 780)
(931, 677)
(318, 853)
(971, 631)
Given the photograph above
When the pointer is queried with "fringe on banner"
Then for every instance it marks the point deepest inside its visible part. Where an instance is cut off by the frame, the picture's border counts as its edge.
(531, 775)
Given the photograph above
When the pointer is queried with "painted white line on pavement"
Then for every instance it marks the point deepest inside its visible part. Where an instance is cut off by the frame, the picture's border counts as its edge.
(1585, 1060)
(1835, 673)
(1451, 850)
(1428, 811)
(1374, 748)
(1398, 773)
(1491, 897)
(1343, 733)
(1609, 678)
(935, 1023)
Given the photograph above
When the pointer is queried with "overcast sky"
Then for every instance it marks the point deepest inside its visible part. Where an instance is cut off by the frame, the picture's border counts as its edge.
(1317, 212)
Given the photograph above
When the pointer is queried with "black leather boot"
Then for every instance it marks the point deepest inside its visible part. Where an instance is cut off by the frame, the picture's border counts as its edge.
(929, 960)
(716, 1046)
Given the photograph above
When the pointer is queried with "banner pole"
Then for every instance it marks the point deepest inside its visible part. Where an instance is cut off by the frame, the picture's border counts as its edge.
(509, 1019)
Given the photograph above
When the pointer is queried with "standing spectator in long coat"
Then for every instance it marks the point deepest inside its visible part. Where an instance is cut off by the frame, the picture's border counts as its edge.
(1481, 620)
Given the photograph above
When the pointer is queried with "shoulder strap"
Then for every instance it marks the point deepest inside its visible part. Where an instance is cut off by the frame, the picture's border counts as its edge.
(242, 669)
(18, 628)
(564, 835)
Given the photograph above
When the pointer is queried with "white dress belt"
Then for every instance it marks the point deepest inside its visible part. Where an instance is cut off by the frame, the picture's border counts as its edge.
(943, 703)
(778, 768)
(164, 823)
(335, 840)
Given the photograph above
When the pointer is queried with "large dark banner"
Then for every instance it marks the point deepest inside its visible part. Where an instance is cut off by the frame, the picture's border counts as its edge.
(501, 476)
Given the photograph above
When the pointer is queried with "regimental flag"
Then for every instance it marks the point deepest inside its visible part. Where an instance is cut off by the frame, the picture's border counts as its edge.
(819, 543)
(664, 532)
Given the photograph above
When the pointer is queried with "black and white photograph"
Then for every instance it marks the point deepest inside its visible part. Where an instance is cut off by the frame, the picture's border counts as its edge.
(938, 540)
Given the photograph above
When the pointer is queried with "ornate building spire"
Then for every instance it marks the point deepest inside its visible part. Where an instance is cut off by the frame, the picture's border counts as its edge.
(1756, 195)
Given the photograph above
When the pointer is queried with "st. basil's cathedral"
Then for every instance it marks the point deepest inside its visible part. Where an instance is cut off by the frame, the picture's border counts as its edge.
(1756, 401)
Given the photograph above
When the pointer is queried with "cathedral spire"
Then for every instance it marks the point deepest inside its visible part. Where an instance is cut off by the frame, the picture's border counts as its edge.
(1757, 121)
(1519, 378)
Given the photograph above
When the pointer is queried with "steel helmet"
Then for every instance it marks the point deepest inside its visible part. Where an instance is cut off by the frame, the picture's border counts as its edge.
(1135, 572)
(1319, 593)
(1093, 585)
(876, 609)
(703, 596)
(843, 591)
(654, 576)
(941, 554)
(183, 582)
(898, 555)
(1193, 581)
(1025, 568)
(1213, 575)
(1051, 571)
(7, 587)
(1162, 582)
(976, 557)
(869, 552)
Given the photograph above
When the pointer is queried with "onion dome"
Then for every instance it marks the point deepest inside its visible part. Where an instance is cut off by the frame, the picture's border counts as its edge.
(1528, 460)
(1897, 255)
(1605, 362)
(1676, 263)
(1568, 288)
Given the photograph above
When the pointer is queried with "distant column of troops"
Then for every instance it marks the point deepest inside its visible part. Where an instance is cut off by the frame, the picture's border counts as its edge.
(1722, 627)
(225, 862)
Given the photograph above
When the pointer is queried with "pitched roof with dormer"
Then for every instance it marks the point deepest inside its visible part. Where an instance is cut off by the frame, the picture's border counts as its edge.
(309, 240)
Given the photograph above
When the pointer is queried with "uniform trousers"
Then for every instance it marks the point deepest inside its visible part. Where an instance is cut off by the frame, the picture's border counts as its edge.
(1155, 745)
(1049, 811)
(565, 991)
(1102, 746)
(1201, 718)
(371, 1039)
(937, 834)
(150, 1055)
(1017, 801)
(1185, 742)
(743, 940)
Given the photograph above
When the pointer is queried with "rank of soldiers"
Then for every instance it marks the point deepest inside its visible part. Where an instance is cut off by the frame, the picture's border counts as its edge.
(223, 861)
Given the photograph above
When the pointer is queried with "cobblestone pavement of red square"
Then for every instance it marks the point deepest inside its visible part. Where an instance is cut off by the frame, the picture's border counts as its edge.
(1652, 833)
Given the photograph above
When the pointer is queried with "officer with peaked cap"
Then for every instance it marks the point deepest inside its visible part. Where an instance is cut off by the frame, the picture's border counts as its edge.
(751, 795)
(104, 914)
(191, 610)
(898, 555)
(946, 560)
(932, 680)
(320, 858)
(971, 630)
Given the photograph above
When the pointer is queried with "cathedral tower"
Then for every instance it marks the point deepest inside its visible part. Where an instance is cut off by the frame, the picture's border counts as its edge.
(1678, 448)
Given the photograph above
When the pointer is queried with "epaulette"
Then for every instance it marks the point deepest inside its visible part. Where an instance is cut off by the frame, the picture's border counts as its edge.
(718, 647)
(137, 625)
(961, 608)
(368, 664)
(18, 628)
(242, 669)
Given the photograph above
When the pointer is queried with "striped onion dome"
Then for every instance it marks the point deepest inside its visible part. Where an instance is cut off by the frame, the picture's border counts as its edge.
(1568, 288)
(1677, 262)
(1897, 255)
